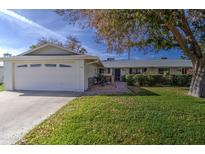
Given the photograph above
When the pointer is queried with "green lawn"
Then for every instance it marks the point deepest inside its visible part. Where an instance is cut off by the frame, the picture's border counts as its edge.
(1, 87)
(151, 116)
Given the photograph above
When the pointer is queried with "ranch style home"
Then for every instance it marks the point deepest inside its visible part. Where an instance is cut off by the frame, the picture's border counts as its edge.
(53, 68)
(120, 68)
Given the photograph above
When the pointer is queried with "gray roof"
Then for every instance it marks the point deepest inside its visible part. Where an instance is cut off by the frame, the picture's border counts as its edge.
(147, 63)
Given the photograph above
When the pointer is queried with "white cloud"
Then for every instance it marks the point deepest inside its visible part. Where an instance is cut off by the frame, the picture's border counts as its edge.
(13, 51)
(40, 30)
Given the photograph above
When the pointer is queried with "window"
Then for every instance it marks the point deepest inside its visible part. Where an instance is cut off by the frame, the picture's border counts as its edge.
(135, 71)
(184, 71)
(35, 65)
(22, 66)
(63, 65)
(130, 71)
(108, 71)
(163, 71)
(50, 65)
(144, 70)
(101, 70)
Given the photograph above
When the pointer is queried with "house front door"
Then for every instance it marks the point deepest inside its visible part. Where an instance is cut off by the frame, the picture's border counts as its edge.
(117, 74)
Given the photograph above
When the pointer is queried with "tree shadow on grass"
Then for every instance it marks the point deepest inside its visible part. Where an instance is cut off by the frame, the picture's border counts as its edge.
(134, 92)
(142, 92)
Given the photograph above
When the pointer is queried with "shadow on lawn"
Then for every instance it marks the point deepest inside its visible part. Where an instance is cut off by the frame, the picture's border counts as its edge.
(134, 92)
(143, 92)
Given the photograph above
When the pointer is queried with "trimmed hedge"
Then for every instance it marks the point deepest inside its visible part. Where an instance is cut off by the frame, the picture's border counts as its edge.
(158, 80)
(130, 79)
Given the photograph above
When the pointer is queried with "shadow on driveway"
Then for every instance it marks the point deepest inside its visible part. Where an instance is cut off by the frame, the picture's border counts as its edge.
(49, 93)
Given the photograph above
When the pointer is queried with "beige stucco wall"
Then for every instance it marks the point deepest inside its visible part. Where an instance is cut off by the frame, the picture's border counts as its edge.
(175, 71)
(152, 71)
(49, 50)
(124, 71)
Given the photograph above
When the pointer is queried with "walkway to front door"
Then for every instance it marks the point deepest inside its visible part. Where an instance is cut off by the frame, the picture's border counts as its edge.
(117, 88)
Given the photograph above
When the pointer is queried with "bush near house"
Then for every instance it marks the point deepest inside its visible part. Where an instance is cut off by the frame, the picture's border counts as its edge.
(1, 87)
(130, 79)
(158, 80)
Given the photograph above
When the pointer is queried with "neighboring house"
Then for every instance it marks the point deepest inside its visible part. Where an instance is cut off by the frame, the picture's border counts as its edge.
(119, 68)
(1, 74)
(49, 67)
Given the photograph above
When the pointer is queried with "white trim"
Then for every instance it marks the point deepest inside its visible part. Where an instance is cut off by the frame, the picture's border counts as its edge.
(93, 62)
(14, 58)
(45, 45)
(51, 58)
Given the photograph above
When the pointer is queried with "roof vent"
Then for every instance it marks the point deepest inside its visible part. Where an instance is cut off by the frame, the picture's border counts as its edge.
(110, 59)
(164, 58)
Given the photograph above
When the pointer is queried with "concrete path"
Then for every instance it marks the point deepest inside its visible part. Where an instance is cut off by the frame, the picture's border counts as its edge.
(117, 88)
(20, 111)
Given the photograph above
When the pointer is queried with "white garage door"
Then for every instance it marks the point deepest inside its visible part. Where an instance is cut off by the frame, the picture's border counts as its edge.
(52, 77)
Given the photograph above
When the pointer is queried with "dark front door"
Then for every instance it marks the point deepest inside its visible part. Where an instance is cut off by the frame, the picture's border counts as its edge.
(117, 74)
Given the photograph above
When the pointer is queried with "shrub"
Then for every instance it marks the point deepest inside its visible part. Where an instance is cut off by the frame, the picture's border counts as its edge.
(130, 79)
(155, 80)
(100, 78)
(141, 79)
(181, 80)
(152, 80)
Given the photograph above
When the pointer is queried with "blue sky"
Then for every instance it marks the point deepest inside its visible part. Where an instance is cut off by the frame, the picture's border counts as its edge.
(21, 28)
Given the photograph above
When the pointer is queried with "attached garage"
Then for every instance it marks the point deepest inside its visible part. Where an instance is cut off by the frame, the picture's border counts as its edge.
(53, 69)
(50, 76)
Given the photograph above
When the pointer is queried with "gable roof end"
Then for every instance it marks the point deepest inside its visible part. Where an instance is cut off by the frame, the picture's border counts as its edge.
(45, 45)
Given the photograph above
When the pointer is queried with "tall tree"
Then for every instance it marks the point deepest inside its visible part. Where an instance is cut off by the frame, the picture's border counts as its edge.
(71, 43)
(44, 40)
(151, 30)
(82, 51)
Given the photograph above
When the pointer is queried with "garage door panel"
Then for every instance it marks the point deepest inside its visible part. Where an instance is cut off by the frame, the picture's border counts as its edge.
(46, 78)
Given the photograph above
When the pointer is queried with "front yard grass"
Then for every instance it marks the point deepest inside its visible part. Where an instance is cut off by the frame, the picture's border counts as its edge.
(158, 115)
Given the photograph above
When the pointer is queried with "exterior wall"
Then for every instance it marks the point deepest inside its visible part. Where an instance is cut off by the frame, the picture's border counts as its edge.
(80, 73)
(124, 71)
(1, 74)
(152, 71)
(175, 71)
(49, 50)
(90, 71)
(8, 76)
(106, 73)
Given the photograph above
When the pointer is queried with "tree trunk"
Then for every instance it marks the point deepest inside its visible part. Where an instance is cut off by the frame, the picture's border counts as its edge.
(197, 86)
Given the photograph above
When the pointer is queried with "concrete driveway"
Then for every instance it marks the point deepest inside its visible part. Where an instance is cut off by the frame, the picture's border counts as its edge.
(20, 111)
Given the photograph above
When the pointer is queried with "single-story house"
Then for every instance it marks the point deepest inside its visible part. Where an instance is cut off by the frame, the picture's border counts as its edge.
(54, 68)
(1, 74)
(50, 68)
(119, 68)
